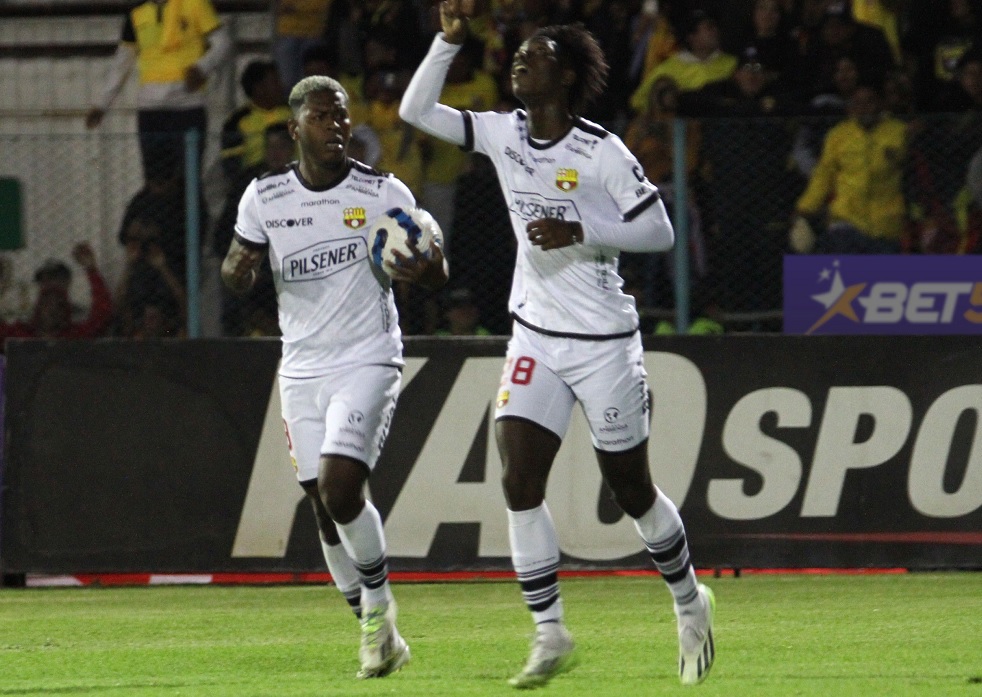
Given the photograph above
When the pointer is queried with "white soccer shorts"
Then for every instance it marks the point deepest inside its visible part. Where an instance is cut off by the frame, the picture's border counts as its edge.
(344, 413)
(545, 376)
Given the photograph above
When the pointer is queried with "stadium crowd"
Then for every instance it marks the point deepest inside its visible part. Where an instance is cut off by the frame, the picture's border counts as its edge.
(823, 126)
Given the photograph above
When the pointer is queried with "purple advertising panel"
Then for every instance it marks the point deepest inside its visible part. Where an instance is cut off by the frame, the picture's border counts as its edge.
(882, 294)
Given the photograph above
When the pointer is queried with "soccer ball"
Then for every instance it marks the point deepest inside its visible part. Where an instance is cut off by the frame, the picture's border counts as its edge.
(393, 230)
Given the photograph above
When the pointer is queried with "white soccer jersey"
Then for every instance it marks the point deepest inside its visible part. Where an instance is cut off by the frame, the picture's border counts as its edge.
(335, 308)
(589, 176)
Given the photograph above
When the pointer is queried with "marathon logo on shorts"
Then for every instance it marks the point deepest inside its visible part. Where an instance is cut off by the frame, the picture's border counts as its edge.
(357, 447)
(567, 179)
(324, 259)
(612, 416)
(354, 218)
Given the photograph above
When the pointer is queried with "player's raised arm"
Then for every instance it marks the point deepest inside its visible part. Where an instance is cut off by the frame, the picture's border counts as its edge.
(419, 105)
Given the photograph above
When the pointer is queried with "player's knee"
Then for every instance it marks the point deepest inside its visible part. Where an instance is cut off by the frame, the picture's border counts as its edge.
(343, 507)
(521, 490)
(342, 501)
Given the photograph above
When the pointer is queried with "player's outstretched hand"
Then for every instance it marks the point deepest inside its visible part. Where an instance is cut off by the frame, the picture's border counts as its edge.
(453, 19)
(429, 273)
(550, 233)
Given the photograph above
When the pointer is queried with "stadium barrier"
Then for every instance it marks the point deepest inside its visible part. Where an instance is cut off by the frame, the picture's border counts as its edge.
(781, 452)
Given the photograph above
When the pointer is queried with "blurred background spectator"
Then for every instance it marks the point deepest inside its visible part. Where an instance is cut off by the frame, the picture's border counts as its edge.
(159, 207)
(52, 316)
(858, 182)
(700, 61)
(841, 35)
(175, 45)
(243, 133)
(461, 315)
(151, 300)
(939, 34)
(767, 30)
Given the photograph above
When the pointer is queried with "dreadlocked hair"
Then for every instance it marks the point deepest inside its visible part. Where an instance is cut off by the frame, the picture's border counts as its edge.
(580, 51)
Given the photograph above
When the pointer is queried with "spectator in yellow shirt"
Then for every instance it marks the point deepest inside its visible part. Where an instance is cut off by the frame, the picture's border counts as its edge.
(244, 131)
(698, 64)
(858, 182)
(175, 45)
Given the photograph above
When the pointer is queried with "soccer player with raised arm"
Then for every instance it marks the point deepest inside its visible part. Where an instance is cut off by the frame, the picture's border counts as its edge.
(577, 198)
(342, 349)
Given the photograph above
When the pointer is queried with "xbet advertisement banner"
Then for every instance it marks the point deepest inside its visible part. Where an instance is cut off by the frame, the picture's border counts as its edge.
(882, 294)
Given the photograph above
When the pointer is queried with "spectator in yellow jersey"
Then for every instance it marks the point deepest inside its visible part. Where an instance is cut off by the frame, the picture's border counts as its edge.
(175, 45)
(653, 41)
(859, 182)
(243, 133)
(698, 64)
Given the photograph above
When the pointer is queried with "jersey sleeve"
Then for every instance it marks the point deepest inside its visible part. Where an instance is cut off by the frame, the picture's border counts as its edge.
(644, 225)
(625, 180)
(420, 105)
(480, 129)
(248, 228)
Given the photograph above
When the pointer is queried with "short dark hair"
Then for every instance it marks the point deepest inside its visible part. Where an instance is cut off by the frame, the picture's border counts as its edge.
(53, 270)
(579, 50)
(254, 73)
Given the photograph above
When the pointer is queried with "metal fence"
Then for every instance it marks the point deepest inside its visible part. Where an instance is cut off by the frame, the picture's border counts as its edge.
(158, 245)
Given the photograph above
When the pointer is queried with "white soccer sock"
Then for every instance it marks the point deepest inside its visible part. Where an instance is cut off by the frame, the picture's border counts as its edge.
(344, 574)
(664, 536)
(364, 541)
(535, 556)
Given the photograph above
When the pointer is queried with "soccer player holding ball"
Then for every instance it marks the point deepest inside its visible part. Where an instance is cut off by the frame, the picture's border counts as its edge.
(577, 198)
(342, 349)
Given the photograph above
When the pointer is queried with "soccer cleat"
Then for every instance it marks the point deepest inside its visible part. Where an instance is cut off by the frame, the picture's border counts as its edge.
(696, 648)
(383, 650)
(552, 654)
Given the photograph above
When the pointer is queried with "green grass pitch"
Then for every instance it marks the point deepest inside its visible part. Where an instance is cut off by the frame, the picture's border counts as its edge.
(908, 634)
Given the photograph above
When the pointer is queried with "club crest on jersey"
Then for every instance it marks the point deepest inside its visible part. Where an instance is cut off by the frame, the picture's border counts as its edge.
(354, 217)
(503, 397)
(567, 179)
